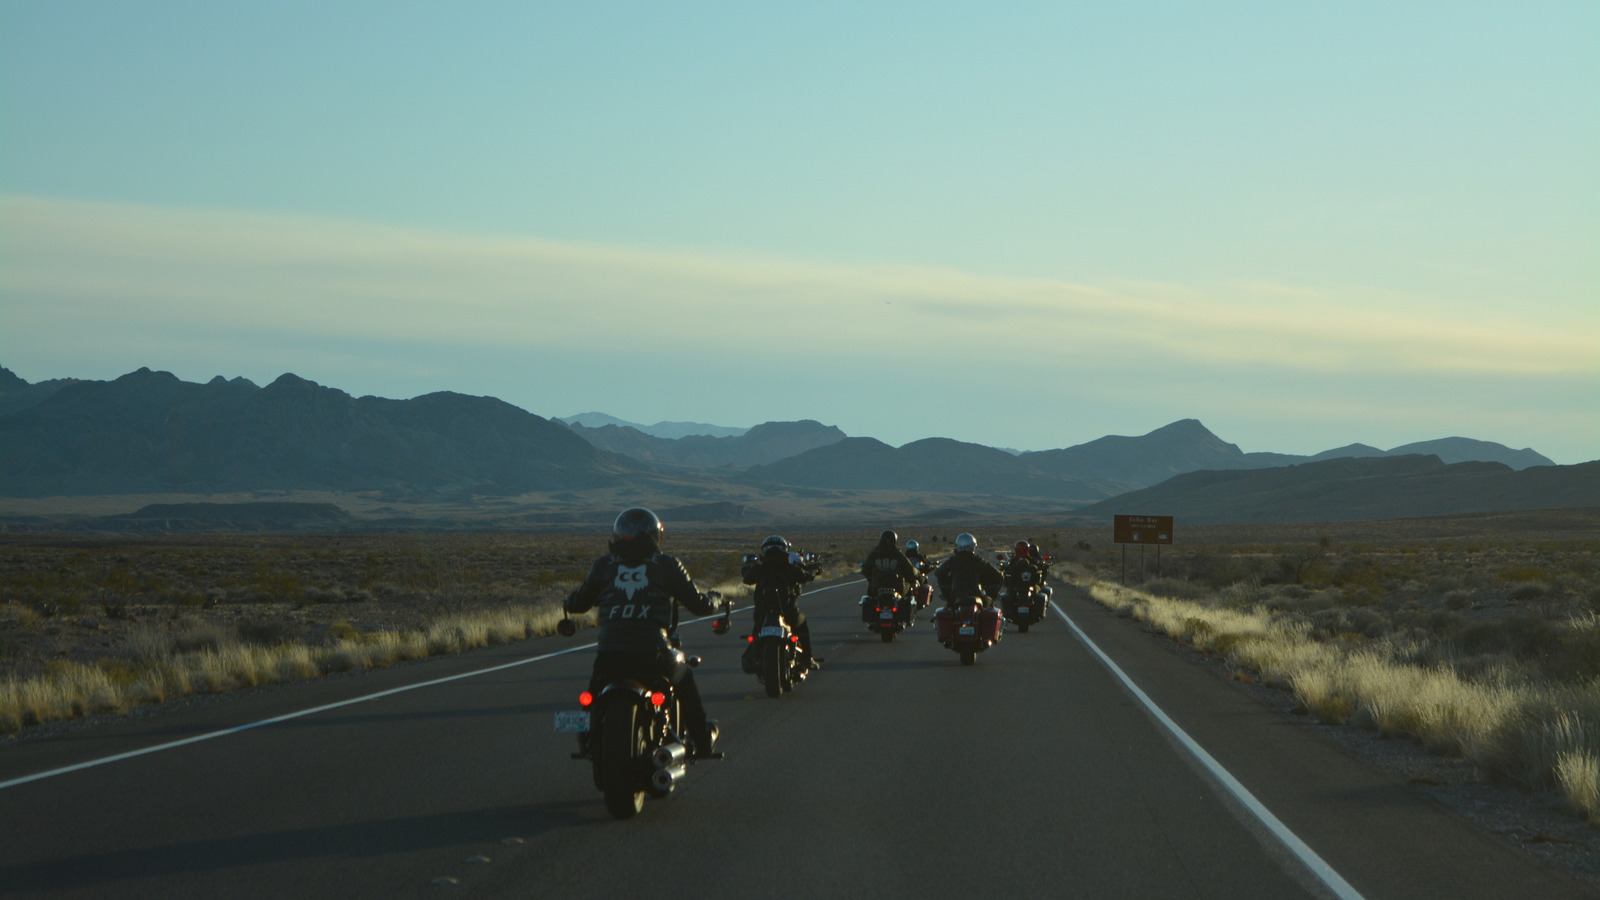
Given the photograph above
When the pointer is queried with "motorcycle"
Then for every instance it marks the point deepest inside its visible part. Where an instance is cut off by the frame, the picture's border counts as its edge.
(1025, 603)
(968, 627)
(632, 733)
(922, 591)
(773, 654)
(888, 613)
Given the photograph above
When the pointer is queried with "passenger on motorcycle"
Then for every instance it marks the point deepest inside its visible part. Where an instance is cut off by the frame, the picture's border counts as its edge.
(966, 574)
(1025, 561)
(634, 586)
(887, 567)
(777, 576)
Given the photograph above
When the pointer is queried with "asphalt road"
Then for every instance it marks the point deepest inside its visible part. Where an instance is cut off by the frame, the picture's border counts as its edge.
(894, 772)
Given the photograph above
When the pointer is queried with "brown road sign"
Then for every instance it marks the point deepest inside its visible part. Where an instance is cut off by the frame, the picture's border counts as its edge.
(1141, 529)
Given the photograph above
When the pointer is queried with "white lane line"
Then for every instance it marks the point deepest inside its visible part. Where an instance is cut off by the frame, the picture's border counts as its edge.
(1308, 857)
(40, 776)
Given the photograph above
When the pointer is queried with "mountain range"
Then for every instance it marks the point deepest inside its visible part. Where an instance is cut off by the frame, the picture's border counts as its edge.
(151, 433)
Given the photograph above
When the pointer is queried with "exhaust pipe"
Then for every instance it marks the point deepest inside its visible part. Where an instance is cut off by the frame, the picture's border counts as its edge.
(662, 781)
(667, 756)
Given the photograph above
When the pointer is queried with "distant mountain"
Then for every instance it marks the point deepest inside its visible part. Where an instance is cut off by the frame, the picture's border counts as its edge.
(1460, 449)
(1355, 489)
(668, 430)
(1188, 446)
(1183, 446)
(149, 432)
(17, 395)
(765, 443)
(934, 464)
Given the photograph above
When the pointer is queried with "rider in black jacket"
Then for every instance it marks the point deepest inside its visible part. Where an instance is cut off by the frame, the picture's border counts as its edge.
(634, 587)
(777, 576)
(966, 574)
(887, 566)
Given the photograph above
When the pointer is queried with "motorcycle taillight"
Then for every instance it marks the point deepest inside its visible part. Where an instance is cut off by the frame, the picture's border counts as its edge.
(585, 699)
(658, 699)
(750, 639)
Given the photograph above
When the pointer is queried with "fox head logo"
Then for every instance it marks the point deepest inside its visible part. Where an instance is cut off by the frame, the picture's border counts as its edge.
(630, 579)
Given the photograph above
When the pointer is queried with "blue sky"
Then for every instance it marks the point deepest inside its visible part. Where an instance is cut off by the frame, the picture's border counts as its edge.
(1025, 225)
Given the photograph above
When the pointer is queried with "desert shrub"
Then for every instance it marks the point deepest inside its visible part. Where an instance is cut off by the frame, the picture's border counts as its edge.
(1174, 588)
(199, 637)
(1532, 590)
(1523, 573)
(148, 645)
(265, 632)
(344, 631)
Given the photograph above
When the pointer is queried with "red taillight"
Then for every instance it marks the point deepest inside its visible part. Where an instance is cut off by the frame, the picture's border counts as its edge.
(658, 699)
(794, 638)
(750, 639)
(585, 699)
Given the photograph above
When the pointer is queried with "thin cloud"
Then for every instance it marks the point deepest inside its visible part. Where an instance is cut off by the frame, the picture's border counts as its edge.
(78, 266)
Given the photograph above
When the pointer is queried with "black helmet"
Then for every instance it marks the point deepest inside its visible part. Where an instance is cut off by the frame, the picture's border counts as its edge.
(775, 541)
(888, 537)
(636, 533)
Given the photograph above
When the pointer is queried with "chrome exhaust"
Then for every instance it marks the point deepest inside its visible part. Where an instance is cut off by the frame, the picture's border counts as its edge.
(662, 781)
(668, 755)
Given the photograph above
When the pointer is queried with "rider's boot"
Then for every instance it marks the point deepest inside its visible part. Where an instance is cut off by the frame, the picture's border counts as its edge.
(705, 742)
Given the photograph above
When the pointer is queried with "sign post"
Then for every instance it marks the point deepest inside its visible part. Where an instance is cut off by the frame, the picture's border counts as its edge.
(1141, 530)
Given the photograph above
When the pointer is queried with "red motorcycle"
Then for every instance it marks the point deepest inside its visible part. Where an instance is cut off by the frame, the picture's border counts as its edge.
(968, 627)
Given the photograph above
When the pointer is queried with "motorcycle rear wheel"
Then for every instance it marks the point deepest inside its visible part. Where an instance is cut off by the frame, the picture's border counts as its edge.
(772, 668)
(888, 635)
(622, 742)
(1022, 627)
(968, 657)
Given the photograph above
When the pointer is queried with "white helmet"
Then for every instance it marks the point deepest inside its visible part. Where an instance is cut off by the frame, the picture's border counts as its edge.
(966, 541)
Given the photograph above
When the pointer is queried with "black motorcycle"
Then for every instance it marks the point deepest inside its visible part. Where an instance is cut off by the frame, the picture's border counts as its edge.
(632, 734)
(773, 653)
(887, 613)
(1025, 600)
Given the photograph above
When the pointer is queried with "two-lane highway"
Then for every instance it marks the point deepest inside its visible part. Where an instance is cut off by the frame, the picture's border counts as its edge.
(894, 772)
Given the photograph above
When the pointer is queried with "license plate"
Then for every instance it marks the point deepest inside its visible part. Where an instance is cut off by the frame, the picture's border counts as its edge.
(572, 721)
(886, 615)
(966, 629)
(1024, 609)
(771, 631)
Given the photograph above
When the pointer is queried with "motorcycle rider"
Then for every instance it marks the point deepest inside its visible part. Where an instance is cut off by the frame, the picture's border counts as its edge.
(777, 575)
(966, 574)
(1025, 561)
(887, 567)
(634, 586)
(914, 554)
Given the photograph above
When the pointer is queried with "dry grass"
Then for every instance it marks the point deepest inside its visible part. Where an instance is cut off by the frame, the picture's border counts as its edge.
(100, 626)
(1509, 718)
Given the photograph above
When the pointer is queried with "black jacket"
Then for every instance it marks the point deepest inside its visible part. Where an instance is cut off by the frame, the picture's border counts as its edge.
(966, 574)
(887, 566)
(635, 600)
(1022, 571)
(777, 579)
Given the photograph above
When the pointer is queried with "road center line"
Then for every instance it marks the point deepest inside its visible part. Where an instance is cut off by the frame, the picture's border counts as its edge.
(170, 745)
(1308, 857)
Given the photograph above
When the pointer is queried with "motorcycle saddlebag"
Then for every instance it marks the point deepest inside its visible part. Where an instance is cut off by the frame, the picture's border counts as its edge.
(945, 620)
(989, 624)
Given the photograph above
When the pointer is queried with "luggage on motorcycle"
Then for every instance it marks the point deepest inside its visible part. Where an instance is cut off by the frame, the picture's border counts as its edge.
(989, 625)
(869, 611)
(945, 621)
